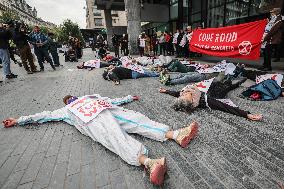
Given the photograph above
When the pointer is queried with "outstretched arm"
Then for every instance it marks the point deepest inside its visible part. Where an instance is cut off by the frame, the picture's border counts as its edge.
(218, 105)
(172, 93)
(57, 115)
(124, 100)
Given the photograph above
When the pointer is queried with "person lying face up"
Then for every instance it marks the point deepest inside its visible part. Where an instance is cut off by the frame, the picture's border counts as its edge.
(191, 98)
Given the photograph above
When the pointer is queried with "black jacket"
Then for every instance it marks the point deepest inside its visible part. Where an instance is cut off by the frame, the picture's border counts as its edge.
(5, 36)
(120, 73)
(21, 39)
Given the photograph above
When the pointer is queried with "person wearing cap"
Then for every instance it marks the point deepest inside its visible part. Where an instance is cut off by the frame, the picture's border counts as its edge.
(39, 41)
(272, 37)
(111, 127)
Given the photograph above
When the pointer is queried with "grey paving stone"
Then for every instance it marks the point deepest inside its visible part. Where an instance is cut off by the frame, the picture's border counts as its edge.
(33, 168)
(74, 163)
(58, 176)
(73, 181)
(201, 185)
(7, 168)
(13, 180)
(88, 176)
(25, 186)
(45, 173)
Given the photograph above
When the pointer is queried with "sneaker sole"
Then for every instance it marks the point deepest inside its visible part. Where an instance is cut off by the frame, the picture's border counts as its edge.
(158, 175)
(185, 141)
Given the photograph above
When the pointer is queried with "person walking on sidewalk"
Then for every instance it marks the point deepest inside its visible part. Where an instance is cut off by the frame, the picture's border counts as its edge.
(5, 36)
(105, 122)
(39, 41)
(21, 40)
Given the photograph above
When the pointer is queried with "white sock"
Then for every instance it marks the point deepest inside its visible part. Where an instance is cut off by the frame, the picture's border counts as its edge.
(146, 161)
(176, 132)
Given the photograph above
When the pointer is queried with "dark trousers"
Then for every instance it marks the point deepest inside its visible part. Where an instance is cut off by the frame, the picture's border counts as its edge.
(55, 57)
(141, 51)
(116, 51)
(162, 48)
(27, 58)
(277, 51)
(267, 56)
(42, 55)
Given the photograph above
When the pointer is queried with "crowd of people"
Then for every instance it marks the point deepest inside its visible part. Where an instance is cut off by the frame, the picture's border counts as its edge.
(104, 121)
(15, 39)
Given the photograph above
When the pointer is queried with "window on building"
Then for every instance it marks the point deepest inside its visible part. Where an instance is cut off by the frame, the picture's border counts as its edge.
(174, 11)
(98, 21)
(236, 10)
(114, 13)
(97, 12)
(264, 6)
(215, 17)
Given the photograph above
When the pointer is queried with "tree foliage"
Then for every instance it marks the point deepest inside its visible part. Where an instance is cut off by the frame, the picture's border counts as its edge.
(7, 16)
(66, 29)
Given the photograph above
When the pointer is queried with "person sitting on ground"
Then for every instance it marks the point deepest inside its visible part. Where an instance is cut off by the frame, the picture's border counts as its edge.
(191, 98)
(116, 74)
(102, 52)
(111, 127)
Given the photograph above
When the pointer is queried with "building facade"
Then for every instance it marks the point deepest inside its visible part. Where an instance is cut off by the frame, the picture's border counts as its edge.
(25, 12)
(95, 19)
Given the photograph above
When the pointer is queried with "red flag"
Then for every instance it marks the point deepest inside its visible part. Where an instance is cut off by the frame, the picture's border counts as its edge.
(238, 41)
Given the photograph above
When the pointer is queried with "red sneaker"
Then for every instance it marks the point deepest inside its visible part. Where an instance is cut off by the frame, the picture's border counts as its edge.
(187, 134)
(157, 169)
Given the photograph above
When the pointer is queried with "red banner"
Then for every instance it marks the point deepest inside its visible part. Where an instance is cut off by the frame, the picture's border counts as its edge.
(238, 41)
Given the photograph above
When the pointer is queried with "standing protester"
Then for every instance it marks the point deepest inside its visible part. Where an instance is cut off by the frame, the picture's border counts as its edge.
(167, 41)
(21, 40)
(141, 44)
(155, 44)
(115, 44)
(78, 48)
(5, 36)
(39, 41)
(52, 46)
(272, 37)
(178, 47)
(12, 52)
(124, 45)
(175, 43)
(147, 45)
(100, 40)
(162, 42)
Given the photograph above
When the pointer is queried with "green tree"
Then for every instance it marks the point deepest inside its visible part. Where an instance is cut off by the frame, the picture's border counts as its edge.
(7, 16)
(68, 28)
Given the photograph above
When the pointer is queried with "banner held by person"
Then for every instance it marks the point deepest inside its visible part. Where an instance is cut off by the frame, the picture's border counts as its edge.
(238, 41)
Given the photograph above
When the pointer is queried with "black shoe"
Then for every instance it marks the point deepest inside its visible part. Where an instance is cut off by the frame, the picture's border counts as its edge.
(276, 60)
(29, 72)
(53, 67)
(11, 76)
(56, 65)
(21, 65)
(41, 69)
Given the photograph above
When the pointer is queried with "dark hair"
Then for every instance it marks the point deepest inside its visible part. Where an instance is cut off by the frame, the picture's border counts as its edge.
(105, 75)
(183, 105)
(66, 98)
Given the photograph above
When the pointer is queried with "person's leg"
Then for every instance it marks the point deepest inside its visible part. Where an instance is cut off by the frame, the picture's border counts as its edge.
(4, 55)
(55, 58)
(188, 78)
(40, 58)
(24, 59)
(47, 57)
(267, 57)
(135, 122)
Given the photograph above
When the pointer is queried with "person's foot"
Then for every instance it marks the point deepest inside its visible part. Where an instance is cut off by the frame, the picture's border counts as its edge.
(35, 71)
(41, 69)
(20, 64)
(56, 65)
(276, 60)
(186, 134)
(53, 67)
(29, 72)
(11, 76)
(157, 169)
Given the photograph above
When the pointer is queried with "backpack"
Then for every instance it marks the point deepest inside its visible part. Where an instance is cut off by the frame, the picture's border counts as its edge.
(268, 90)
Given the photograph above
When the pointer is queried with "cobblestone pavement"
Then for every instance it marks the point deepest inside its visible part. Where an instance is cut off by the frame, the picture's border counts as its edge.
(229, 152)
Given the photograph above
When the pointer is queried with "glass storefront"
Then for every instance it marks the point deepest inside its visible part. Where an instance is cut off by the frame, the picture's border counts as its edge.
(217, 13)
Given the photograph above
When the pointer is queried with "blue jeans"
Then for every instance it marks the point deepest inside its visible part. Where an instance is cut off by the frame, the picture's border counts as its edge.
(187, 78)
(42, 55)
(136, 75)
(5, 58)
